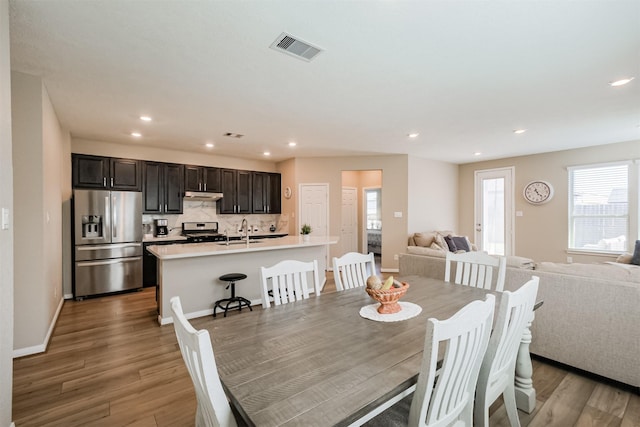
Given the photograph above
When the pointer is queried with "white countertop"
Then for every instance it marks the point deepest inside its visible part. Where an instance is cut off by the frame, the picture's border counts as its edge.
(191, 250)
(152, 238)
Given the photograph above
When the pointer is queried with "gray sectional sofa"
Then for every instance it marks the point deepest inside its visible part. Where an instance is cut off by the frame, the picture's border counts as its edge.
(590, 318)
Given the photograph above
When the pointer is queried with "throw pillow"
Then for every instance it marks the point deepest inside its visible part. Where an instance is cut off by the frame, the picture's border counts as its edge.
(450, 243)
(461, 243)
(424, 239)
(636, 254)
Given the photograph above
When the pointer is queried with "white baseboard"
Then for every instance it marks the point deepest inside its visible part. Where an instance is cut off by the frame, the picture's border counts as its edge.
(40, 348)
(389, 270)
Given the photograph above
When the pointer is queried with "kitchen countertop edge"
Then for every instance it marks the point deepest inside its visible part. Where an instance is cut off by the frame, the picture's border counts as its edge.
(191, 250)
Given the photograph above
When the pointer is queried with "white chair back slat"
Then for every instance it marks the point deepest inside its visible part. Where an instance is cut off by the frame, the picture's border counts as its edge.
(353, 269)
(195, 346)
(476, 269)
(465, 337)
(288, 282)
(497, 372)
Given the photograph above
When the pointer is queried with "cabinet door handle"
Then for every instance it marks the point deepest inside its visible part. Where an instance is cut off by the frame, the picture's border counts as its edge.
(205, 186)
(112, 182)
(104, 181)
(165, 207)
(199, 186)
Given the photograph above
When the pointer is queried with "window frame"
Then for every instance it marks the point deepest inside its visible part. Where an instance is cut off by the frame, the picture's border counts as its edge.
(630, 211)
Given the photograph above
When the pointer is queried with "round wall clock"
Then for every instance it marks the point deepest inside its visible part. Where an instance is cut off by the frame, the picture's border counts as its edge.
(538, 192)
(287, 192)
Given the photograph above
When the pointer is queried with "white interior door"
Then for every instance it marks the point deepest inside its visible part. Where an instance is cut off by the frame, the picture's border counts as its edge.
(349, 227)
(314, 208)
(494, 211)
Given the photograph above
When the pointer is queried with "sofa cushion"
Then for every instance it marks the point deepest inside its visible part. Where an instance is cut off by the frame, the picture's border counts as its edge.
(624, 258)
(419, 250)
(424, 239)
(635, 259)
(605, 271)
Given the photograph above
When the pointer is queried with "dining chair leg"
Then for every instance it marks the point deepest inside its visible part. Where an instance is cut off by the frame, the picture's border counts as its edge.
(509, 396)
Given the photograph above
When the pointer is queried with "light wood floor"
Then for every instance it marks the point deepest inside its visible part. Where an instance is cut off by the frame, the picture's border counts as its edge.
(110, 364)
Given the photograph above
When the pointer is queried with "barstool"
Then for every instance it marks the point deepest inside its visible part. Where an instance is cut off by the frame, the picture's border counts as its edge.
(231, 278)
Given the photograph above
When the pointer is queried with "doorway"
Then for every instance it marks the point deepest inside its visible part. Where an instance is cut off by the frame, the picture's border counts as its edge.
(367, 184)
(494, 210)
(349, 218)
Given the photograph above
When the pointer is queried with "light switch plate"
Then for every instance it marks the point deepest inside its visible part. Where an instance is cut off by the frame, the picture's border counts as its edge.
(397, 214)
(5, 218)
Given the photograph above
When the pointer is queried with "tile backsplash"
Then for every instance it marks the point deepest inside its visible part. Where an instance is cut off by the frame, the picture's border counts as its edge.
(196, 211)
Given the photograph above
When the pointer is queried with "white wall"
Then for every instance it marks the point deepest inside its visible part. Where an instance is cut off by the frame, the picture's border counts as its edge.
(38, 152)
(432, 192)
(6, 236)
(329, 170)
(541, 233)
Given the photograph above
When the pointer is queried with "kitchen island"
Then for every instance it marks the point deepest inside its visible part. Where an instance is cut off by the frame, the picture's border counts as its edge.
(191, 271)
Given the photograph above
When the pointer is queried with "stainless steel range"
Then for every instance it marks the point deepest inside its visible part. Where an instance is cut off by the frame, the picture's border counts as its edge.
(197, 232)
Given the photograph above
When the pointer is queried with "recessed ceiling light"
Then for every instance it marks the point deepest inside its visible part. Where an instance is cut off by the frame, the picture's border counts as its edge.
(413, 135)
(519, 131)
(145, 118)
(266, 153)
(208, 145)
(136, 134)
(621, 82)
(292, 144)
(477, 153)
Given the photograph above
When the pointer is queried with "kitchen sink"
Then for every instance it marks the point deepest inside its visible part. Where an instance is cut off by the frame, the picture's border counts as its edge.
(238, 242)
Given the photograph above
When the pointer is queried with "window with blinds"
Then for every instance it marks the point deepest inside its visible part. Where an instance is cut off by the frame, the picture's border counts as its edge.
(599, 207)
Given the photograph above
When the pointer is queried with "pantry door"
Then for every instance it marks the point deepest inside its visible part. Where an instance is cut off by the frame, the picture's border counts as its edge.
(314, 210)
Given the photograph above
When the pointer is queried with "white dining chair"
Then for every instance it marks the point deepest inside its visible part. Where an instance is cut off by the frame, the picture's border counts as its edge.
(497, 372)
(444, 394)
(289, 281)
(475, 269)
(352, 269)
(213, 407)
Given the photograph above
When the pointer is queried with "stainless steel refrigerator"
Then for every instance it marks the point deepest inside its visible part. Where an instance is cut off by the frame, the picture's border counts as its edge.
(108, 241)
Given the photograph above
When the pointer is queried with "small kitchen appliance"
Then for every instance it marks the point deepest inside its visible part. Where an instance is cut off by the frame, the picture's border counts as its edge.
(197, 232)
(161, 227)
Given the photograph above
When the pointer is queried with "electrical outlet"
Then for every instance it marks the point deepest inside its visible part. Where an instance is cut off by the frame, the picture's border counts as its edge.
(569, 260)
(395, 257)
(255, 229)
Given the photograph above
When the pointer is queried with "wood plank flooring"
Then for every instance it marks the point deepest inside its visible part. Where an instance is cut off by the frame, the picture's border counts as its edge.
(110, 364)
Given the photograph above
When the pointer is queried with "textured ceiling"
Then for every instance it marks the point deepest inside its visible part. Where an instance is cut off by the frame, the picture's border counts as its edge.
(464, 74)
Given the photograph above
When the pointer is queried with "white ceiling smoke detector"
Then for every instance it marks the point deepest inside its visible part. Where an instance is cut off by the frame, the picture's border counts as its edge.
(286, 43)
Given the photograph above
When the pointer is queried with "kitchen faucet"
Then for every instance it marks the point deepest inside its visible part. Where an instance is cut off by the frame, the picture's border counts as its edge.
(245, 226)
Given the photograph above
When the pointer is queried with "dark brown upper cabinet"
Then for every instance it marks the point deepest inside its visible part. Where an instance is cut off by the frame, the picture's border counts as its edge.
(266, 193)
(106, 173)
(201, 178)
(237, 191)
(163, 188)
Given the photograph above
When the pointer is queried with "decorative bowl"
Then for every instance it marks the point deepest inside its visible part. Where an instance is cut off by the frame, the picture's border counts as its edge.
(388, 299)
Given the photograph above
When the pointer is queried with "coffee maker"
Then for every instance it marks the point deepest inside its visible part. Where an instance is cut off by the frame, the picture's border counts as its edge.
(161, 227)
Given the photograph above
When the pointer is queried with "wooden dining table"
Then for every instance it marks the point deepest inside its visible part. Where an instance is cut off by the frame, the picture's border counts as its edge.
(317, 362)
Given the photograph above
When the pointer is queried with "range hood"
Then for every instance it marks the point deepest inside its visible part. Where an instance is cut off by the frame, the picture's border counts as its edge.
(200, 195)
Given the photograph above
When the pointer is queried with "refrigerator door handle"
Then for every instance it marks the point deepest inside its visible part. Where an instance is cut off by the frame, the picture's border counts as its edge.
(107, 222)
(107, 262)
(114, 226)
(110, 246)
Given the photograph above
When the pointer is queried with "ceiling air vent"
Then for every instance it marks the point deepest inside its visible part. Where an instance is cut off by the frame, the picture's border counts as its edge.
(286, 43)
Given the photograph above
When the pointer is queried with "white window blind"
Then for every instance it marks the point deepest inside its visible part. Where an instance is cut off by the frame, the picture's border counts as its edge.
(599, 208)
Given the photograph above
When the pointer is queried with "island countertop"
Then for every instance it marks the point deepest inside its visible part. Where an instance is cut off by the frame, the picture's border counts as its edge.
(191, 250)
